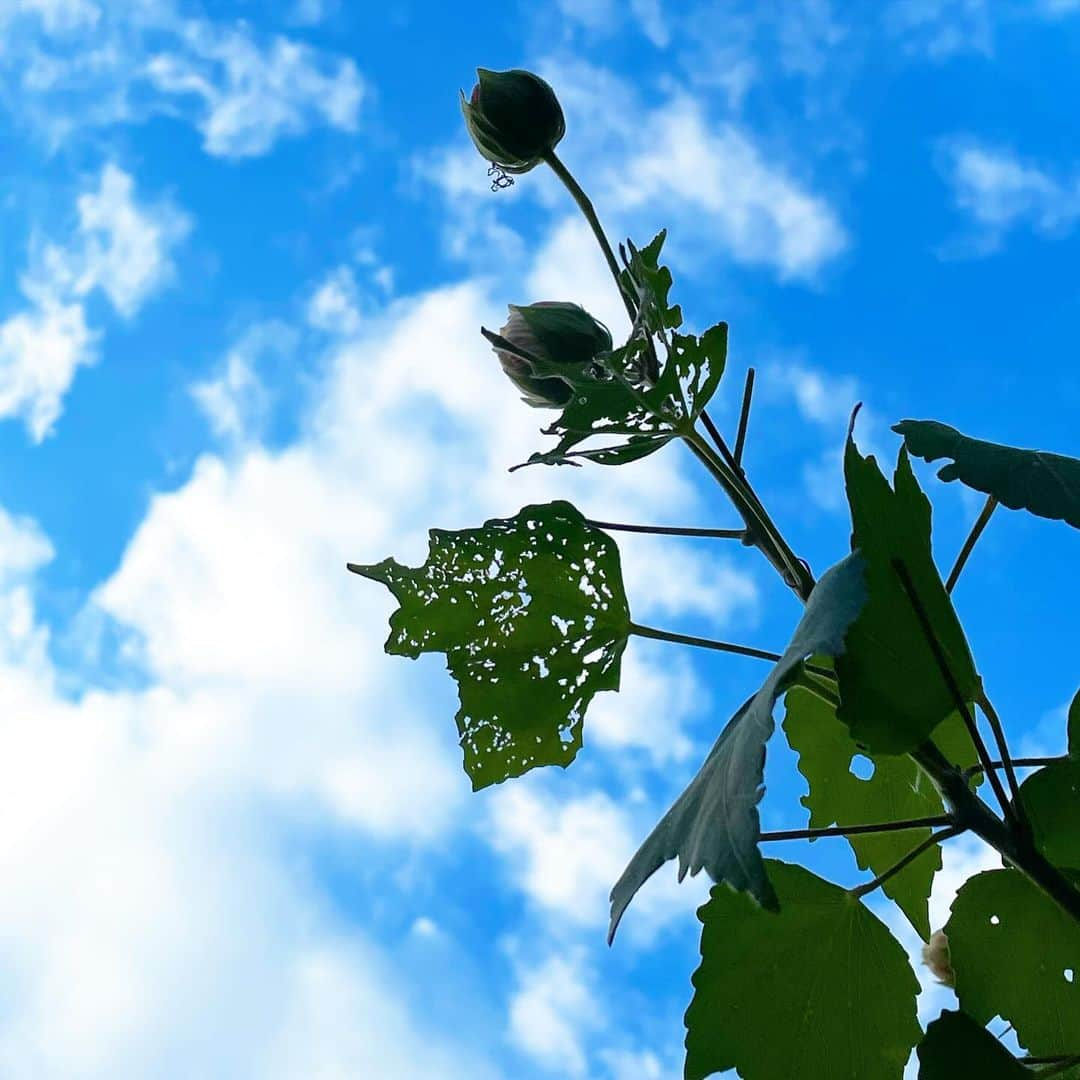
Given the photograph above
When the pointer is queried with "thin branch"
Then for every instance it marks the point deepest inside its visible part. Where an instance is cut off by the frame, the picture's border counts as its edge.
(1003, 749)
(721, 445)
(1019, 762)
(719, 646)
(857, 830)
(667, 530)
(976, 531)
(946, 674)
(935, 838)
(744, 416)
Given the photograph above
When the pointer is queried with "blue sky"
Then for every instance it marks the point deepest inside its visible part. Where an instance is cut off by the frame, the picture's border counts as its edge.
(245, 251)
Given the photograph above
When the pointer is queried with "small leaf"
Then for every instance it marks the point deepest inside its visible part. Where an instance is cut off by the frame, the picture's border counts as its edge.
(820, 990)
(898, 790)
(955, 1046)
(1044, 484)
(714, 823)
(611, 398)
(1051, 798)
(892, 692)
(531, 614)
(1013, 951)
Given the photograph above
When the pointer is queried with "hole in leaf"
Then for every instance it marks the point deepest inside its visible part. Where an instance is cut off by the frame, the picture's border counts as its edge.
(994, 920)
(1068, 975)
(862, 767)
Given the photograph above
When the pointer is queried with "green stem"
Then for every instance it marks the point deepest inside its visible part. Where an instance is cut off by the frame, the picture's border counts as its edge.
(935, 838)
(1019, 762)
(1003, 749)
(589, 213)
(856, 830)
(744, 416)
(969, 544)
(667, 530)
(702, 643)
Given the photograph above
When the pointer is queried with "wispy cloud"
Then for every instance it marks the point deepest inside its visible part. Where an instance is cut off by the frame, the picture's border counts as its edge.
(999, 191)
(121, 248)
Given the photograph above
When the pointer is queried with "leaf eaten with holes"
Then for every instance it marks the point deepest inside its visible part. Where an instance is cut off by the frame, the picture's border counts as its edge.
(896, 790)
(1016, 954)
(820, 990)
(531, 614)
(1042, 483)
(892, 689)
(714, 824)
(956, 1046)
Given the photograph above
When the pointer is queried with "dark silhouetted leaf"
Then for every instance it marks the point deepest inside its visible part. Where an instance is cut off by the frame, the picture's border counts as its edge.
(897, 790)
(821, 989)
(531, 614)
(1044, 484)
(956, 1047)
(1016, 955)
(892, 691)
(1051, 798)
(714, 823)
(1074, 726)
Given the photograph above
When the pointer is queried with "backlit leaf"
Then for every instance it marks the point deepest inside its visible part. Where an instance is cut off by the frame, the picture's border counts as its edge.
(820, 990)
(531, 614)
(714, 823)
(1051, 798)
(1016, 955)
(893, 694)
(1042, 483)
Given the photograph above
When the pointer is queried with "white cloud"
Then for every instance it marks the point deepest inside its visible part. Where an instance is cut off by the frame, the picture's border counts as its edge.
(999, 191)
(242, 90)
(121, 248)
(551, 1013)
(254, 96)
(604, 17)
(940, 28)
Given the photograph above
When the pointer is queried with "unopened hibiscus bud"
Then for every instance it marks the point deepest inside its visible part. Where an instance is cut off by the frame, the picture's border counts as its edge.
(935, 954)
(514, 118)
(555, 331)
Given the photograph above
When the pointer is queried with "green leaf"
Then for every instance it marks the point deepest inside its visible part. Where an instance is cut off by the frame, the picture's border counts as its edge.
(820, 990)
(892, 691)
(650, 283)
(1011, 947)
(897, 790)
(611, 398)
(1074, 726)
(1044, 484)
(531, 614)
(955, 1046)
(1051, 798)
(714, 823)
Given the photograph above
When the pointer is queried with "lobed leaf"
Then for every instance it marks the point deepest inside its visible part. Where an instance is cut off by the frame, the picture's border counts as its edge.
(714, 823)
(897, 790)
(1016, 955)
(956, 1046)
(531, 614)
(1042, 483)
(892, 691)
(820, 990)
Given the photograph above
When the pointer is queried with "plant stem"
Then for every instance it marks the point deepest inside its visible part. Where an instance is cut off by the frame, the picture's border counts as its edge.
(946, 674)
(1019, 762)
(667, 530)
(744, 416)
(968, 811)
(857, 830)
(935, 838)
(976, 531)
(1003, 749)
(589, 212)
(703, 643)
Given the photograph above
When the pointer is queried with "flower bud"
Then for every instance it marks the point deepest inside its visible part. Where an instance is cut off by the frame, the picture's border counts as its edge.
(556, 331)
(514, 118)
(935, 954)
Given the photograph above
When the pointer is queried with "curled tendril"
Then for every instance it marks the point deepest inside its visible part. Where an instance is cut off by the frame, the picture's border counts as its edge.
(499, 179)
